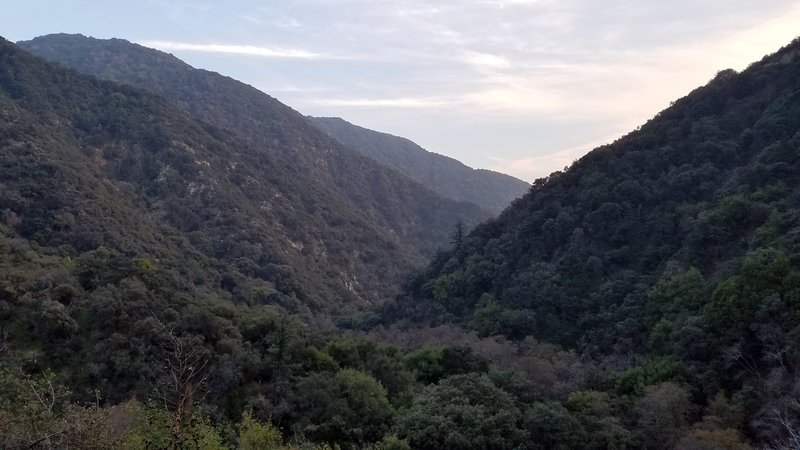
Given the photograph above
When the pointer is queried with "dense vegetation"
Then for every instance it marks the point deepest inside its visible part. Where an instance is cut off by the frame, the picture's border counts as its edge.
(92, 164)
(149, 297)
(419, 217)
(152, 286)
(152, 294)
(670, 255)
(491, 191)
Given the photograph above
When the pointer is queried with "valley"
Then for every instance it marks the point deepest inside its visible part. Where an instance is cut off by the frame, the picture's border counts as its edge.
(189, 263)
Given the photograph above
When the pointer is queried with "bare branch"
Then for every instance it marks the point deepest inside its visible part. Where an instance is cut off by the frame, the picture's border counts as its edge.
(793, 431)
(47, 405)
(44, 438)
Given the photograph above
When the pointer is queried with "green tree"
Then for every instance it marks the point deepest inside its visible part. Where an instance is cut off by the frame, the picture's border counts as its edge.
(35, 412)
(153, 427)
(598, 414)
(683, 292)
(462, 412)
(735, 302)
(255, 435)
(633, 381)
(553, 427)
(349, 408)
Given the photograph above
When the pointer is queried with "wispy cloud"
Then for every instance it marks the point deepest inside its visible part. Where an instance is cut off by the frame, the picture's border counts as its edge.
(251, 50)
(287, 23)
(485, 60)
(532, 167)
(403, 102)
(513, 99)
(251, 19)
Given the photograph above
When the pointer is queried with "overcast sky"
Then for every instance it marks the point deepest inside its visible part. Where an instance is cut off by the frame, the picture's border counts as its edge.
(519, 86)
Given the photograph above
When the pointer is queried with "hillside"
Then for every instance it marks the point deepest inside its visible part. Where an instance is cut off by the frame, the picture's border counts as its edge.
(153, 283)
(415, 214)
(448, 177)
(671, 254)
(258, 216)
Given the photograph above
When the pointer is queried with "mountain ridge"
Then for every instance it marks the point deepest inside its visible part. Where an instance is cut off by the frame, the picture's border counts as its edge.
(227, 200)
(672, 255)
(447, 176)
(414, 213)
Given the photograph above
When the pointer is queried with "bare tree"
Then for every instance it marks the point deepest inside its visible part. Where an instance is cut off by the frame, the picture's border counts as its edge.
(181, 375)
(792, 430)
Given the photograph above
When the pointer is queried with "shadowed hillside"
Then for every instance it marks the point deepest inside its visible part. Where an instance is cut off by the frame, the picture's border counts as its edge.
(415, 214)
(672, 252)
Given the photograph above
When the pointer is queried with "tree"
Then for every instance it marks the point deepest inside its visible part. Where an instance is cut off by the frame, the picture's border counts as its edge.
(35, 413)
(255, 435)
(457, 238)
(462, 412)
(552, 427)
(349, 408)
(598, 414)
(182, 375)
(663, 415)
(153, 427)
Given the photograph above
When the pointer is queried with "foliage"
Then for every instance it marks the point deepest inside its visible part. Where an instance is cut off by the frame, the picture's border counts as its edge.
(254, 435)
(460, 412)
(356, 203)
(434, 363)
(635, 380)
(665, 412)
(668, 256)
(152, 427)
(350, 408)
(552, 426)
(35, 412)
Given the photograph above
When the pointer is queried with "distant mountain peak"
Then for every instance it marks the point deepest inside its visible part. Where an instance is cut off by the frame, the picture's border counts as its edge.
(450, 178)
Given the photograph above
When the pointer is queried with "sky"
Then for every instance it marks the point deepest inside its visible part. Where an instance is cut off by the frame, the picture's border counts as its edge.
(524, 87)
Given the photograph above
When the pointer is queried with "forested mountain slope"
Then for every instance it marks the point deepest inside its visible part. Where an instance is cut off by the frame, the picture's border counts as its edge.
(417, 215)
(152, 278)
(98, 164)
(673, 251)
(450, 178)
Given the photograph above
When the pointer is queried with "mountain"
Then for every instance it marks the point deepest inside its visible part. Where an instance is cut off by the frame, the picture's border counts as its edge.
(148, 255)
(448, 177)
(415, 214)
(155, 269)
(672, 254)
(107, 165)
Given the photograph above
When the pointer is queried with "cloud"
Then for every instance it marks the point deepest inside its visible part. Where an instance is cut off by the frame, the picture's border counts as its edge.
(495, 99)
(252, 19)
(512, 99)
(403, 102)
(236, 49)
(510, 3)
(495, 62)
(287, 23)
(532, 167)
(485, 60)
